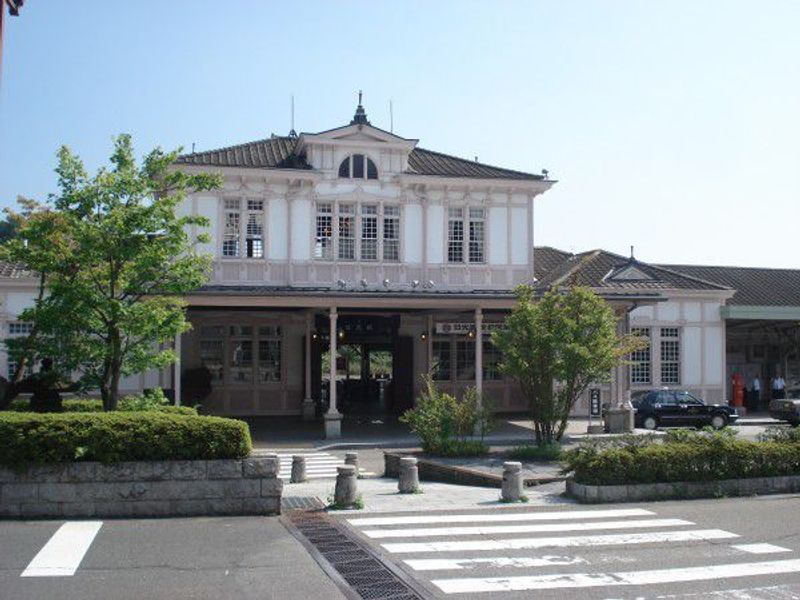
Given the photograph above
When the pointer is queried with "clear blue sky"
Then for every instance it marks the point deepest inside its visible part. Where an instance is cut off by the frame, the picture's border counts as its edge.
(672, 126)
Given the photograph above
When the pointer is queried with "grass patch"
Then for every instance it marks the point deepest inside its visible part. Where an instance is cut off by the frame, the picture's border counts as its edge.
(357, 505)
(547, 452)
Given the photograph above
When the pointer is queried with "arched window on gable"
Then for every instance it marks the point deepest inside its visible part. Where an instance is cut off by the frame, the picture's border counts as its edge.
(358, 166)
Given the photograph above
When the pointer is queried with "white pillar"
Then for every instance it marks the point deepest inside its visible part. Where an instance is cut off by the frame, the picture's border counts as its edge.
(176, 371)
(309, 410)
(333, 418)
(479, 352)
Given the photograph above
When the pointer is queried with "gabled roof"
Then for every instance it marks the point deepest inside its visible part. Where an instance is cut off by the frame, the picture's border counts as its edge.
(603, 269)
(547, 258)
(278, 152)
(754, 286)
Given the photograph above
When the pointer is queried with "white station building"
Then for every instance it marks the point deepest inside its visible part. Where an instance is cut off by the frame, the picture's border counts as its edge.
(355, 242)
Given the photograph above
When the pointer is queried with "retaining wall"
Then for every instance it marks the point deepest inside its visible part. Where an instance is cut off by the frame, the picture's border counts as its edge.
(247, 486)
(592, 494)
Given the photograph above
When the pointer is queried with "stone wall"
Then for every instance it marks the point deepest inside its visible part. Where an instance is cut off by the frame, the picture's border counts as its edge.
(595, 494)
(247, 486)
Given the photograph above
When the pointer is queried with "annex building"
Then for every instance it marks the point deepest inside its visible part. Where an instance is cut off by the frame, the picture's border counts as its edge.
(357, 243)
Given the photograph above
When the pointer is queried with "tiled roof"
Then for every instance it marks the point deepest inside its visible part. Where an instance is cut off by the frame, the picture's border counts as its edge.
(547, 258)
(428, 162)
(10, 270)
(602, 269)
(275, 152)
(754, 286)
(278, 152)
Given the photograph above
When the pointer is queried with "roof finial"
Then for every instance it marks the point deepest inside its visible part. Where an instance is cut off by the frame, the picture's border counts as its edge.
(360, 118)
(632, 258)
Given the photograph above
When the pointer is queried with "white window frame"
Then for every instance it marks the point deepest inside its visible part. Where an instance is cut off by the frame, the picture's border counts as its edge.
(359, 214)
(670, 358)
(471, 219)
(242, 235)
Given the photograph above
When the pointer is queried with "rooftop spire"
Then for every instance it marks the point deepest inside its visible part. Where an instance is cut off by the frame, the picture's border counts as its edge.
(360, 118)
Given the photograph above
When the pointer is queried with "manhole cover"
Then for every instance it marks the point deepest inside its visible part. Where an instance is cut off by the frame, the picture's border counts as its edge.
(367, 576)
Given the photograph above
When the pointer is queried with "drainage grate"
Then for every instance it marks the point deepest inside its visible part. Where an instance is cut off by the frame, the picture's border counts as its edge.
(301, 503)
(369, 577)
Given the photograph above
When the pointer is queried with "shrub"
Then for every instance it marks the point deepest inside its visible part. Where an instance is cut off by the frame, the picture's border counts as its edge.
(697, 459)
(440, 420)
(95, 405)
(774, 433)
(543, 452)
(31, 438)
(454, 448)
(705, 435)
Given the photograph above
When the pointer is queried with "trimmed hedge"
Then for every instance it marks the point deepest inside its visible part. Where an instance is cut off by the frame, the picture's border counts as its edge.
(713, 460)
(93, 405)
(33, 438)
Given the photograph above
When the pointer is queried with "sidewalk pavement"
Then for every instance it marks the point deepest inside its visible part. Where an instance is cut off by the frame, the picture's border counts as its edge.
(381, 495)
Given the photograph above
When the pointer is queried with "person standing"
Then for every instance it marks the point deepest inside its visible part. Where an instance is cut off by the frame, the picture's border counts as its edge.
(755, 390)
(778, 388)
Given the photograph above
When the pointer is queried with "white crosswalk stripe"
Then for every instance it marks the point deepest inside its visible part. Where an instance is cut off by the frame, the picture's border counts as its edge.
(486, 544)
(319, 465)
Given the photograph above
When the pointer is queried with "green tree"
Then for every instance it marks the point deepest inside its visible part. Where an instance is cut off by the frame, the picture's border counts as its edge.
(555, 347)
(115, 259)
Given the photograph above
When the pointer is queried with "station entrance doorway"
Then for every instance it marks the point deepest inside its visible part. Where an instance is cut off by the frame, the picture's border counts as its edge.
(374, 366)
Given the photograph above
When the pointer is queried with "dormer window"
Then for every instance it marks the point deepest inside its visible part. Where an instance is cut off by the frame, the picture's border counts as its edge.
(357, 166)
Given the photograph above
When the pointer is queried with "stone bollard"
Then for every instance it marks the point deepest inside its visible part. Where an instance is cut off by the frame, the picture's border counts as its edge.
(345, 493)
(408, 479)
(512, 482)
(298, 469)
(351, 458)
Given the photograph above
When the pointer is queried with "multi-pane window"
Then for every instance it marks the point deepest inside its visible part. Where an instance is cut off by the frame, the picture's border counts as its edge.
(269, 353)
(363, 232)
(491, 362)
(17, 329)
(253, 235)
(347, 234)
(455, 235)
(465, 360)
(230, 236)
(211, 357)
(369, 232)
(466, 235)
(640, 359)
(670, 355)
(324, 240)
(455, 356)
(255, 229)
(357, 166)
(241, 354)
(440, 367)
(391, 233)
(477, 229)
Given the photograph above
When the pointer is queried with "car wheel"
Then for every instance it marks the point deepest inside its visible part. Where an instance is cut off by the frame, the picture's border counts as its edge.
(650, 423)
(719, 421)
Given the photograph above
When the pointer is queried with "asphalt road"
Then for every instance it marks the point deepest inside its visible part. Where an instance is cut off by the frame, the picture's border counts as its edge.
(726, 548)
(175, 559)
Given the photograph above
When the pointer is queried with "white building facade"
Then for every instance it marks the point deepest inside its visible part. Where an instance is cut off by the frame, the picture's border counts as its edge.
(358, 239)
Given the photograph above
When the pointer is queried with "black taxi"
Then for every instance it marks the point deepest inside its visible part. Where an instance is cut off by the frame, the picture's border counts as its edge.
(678, 408)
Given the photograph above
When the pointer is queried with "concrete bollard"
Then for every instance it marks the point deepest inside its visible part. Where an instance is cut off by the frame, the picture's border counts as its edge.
(345, 492)
(298, 469)
(512, 482)
(351, 458)
(408, 479)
